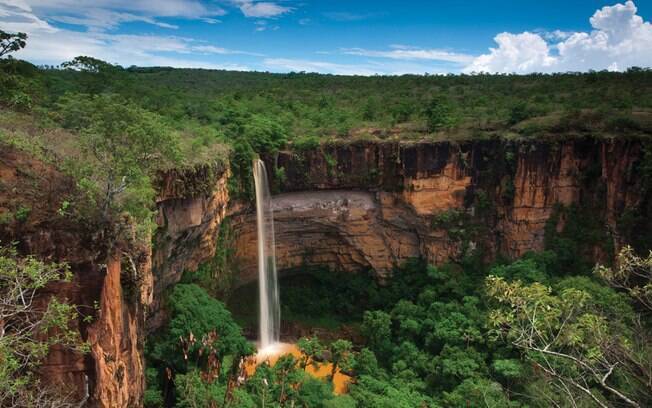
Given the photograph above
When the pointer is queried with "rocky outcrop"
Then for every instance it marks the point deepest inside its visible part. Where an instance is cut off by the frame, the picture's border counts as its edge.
(367, 205)
(371, 205)
(111, 300)
(343, 229)
(191, 205)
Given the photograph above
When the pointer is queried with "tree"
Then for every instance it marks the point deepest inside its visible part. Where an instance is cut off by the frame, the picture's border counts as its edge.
(311, 351)
(194, 312)
(124, 145)
(438, 114)
(11, 42)
(478, 392)
(88, 64)
(632, 274)
(340, 355)
(27, 330)
(94, 75)
(566, 337)
(377, 329)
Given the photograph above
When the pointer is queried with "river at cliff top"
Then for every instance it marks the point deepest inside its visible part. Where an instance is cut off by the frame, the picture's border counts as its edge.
(273, 352)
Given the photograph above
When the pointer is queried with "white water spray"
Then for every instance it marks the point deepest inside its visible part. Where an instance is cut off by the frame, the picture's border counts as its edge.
(270, 311)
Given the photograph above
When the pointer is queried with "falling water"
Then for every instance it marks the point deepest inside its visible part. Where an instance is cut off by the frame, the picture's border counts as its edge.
(270, 312)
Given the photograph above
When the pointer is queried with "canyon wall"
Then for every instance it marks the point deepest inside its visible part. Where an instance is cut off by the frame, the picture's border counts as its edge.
(191, 205)
(372, 205)
(363, 205)
(111, 286)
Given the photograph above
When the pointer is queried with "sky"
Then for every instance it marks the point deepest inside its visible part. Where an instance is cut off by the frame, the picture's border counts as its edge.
(351, 37)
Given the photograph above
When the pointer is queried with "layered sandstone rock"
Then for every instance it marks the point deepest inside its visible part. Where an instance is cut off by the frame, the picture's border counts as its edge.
(348, 230)
(191, 206)
(112, 373)
(377, 201)
(368, 205)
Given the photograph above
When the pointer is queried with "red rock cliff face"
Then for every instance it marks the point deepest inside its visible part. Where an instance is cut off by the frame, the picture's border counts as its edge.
(111, 374)
(354, 206)
(373, 205)
(191, 205)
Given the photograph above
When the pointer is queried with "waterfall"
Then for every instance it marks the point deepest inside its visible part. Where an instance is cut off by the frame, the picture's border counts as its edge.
(270, 311)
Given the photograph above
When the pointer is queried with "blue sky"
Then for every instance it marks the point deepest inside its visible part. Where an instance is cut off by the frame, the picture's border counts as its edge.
(336, 36)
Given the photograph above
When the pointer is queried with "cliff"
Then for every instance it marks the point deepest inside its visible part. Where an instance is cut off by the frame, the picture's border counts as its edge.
(191, 205)
(371, 205)
(111, 285)
(365, 205)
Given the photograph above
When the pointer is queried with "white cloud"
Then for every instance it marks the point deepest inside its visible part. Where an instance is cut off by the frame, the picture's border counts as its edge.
(262, 25)
(620, 39)
(99, 19)
(520, 53)
(402, 52)
(108, 14)
(158, 8)
(51, 45)
(366, 69)
(210, 20)
(555, 35)
(345, 16)
(298, 65)
(211, 49)
(261, 9)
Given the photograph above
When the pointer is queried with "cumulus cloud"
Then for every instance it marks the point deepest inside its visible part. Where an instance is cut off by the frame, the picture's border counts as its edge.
(620, 39)
(261, 9)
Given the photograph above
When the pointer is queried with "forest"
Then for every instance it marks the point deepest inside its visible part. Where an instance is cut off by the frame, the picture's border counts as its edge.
(552, 328)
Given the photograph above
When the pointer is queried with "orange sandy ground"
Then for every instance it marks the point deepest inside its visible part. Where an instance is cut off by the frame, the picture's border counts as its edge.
(321, 371)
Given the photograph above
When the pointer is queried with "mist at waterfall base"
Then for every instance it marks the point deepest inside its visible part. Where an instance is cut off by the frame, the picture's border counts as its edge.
(270, 310)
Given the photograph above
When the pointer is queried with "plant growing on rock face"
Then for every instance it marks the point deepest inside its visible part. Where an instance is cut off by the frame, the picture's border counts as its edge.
(28, 328)
(22, 213)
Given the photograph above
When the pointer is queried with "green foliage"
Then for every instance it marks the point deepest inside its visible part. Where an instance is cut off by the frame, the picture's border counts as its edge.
(192, 310)
(123, 145)
(306, 143)
(578, 334)
(372, 392)
(22, 213)
(519, 112)
(438, 114)
(632, 274)
(153, 397)
(23, 327)
(322, 292)
(376, 327)
(479, 392)
(574, 244)
(217, 275)
(11, 42)
(311, 351)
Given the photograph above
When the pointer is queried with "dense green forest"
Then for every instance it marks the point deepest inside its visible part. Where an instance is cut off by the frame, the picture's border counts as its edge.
(519, 333)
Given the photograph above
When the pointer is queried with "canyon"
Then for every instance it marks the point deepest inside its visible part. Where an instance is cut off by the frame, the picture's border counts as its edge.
(367, 205)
